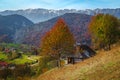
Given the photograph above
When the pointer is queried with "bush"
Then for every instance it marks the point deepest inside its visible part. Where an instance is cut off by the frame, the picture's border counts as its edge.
(44, 64)
(52, 64)
(4, 73)
(22, 70)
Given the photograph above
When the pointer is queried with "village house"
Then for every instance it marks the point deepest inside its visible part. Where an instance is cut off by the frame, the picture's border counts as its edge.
(82, 52)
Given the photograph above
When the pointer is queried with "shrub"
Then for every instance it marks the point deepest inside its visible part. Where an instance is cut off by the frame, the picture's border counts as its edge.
(4, 73)
(44, 64)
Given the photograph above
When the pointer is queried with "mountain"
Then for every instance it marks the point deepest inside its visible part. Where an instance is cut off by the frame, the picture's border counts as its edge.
(77, 23)
(10, 24)
(40, 15)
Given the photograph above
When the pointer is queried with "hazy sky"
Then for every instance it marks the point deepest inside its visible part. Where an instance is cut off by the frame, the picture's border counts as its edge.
(58, 4)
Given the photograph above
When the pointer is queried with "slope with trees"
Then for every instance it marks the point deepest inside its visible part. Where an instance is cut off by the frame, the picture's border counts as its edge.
(77, 23)
(10, 24)
(105, 65)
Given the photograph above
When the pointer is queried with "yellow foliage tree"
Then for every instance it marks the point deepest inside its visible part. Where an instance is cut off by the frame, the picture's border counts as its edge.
(104, 29)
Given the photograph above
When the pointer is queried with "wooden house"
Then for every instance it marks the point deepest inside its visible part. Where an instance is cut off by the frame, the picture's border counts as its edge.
(82, 52)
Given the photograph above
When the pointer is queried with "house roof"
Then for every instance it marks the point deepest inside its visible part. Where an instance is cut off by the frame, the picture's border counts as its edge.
(84, 47)
(87, 48)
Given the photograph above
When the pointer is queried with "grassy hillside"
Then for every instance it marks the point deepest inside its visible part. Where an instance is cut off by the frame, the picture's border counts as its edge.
(24, 59)
(104, 66)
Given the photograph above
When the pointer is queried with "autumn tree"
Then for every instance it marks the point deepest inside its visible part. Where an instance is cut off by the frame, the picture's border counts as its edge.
(104, 30)
(59, 40)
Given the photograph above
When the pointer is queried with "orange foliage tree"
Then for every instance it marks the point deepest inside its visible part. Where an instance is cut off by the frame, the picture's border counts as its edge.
(59, 40)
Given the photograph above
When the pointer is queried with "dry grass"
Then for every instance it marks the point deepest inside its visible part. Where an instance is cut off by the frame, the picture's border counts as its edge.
(104, 66)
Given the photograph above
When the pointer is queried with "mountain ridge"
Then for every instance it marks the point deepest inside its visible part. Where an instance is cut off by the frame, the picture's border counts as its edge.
(40, 14)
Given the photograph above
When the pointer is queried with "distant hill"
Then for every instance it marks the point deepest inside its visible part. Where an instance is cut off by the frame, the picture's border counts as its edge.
(78, 24)
(10, 24)
(40, 15)
(105, 65)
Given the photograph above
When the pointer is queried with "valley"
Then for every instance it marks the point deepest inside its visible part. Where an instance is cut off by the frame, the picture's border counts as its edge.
(65, 44)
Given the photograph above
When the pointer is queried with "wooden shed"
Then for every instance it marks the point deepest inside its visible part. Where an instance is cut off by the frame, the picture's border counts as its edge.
(82, 52)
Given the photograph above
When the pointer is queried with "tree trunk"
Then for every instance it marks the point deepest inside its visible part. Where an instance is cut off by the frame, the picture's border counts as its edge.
(109, 47)
(59, 63)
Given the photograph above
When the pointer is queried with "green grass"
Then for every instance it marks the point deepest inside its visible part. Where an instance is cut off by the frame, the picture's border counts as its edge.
(24, 59)
(3, 57)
